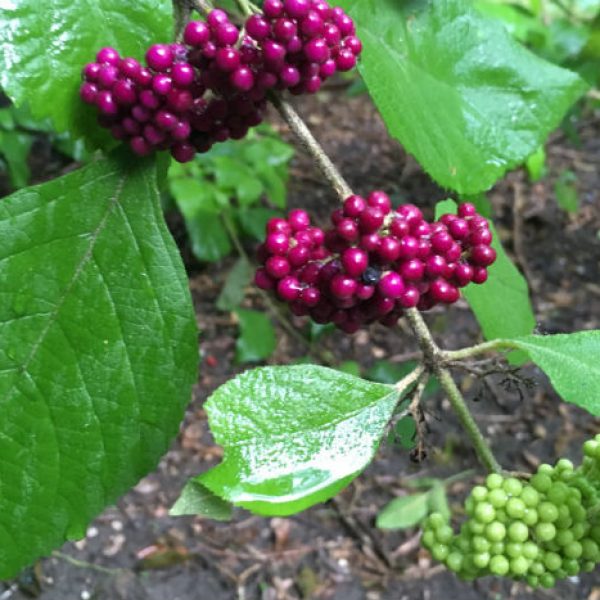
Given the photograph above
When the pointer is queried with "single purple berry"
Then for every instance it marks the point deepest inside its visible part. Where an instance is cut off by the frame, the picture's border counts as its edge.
(277, 243)
(480, 275)
(162, 84)
(381, 200)
(441, 242)
(289, 76)
(106, 103)
(140, 113)
(196, 33)
(159, 57)
(480, 236)
(165, 120)
(284, 29)
(466, 210)
(91, 71)
(353, 206)
(88, 92)
(343, 286)
(262, 280)
(435, 266)
(182, 75)
(481, 256)
(389, 249)
(297, 9)
(463, 274)
(130, 68)
(459, 229)
(409, 247)
(370, 242)
(273, 8)
(410, 297)
(183, 152)
(327, 69)
(412, 270)
(317, 51)
(217, 17)
(154, 135)
(124, 92)
(242, 79)
(144, 77)
(226, 34)
(298, 219)
(108, 56)
(289, 288)
(355, 261)
(273, 52)
(140, 146)
(131, 126)
(453, 253)
(108, 76)
(345, 60)
(258, 28)
(399, 228)
(310, 296)
(331, 34)
(312, 24)
(180, 100)
(227, 59)
(371, 219)
(353, 44)
(277, 267)
(278, 225)
(391, 285)
(299, 255)
(347, 229)
(149, 99)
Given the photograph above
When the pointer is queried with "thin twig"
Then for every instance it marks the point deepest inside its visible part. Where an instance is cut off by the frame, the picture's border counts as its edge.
(312, 146)
(86, 565)
(433, 357)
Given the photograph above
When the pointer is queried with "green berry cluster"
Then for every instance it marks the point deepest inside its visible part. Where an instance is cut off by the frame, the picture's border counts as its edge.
(538, 531)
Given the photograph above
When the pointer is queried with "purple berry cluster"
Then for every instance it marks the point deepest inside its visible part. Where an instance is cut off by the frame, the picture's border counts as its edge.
(214, 86)
(374, 262)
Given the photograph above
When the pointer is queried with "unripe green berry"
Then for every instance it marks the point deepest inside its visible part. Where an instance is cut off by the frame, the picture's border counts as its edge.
(530, 517)
(515, 508)
(514, 549)
(519, 566)
(547, 512)
(485, 513)
(588, 566)
(572, 567)
(494, 481)
(501, 516)
(495, 532)
(480, 544)
(564, 464)
(530, 496)
(545, 531)
(436, 520)
(537, 568)
(573, 550)
(531, 550)
(558, 493)
(590, 447)
(541, 482)
(440, 552)
(428, 539)
(481, 559)
(444, 534)
(479, 493)
(564, 537)
(547, 581)
(546, 469)
(533, 581)
(497, 548)
(591, 550)
(497, 498)
(512, 486)
(476, 527)
(518, 531)
(454, 561)
(499, 565)
(552, 560)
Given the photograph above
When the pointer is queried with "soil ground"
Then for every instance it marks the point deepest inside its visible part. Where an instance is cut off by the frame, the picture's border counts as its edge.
(134, 550)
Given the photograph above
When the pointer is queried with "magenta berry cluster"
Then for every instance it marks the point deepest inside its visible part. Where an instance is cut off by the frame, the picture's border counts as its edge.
(374, 262)
(214, 86)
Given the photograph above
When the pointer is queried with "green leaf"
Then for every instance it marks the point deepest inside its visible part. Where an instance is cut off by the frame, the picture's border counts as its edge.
(15, 147)
(505, 293)
(404, 512)
(98, 350)
(294, 436)
(199, 203)
(565, 190)
(234, 289)
(438, 500)
(536, 165)
(196, 499)
(405, 432)
(257, 339)
(458, 92)
(570, 361)
(236, 179)
(43, 47)
(349, 366)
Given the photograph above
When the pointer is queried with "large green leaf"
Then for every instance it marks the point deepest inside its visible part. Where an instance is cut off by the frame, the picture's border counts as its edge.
(98, 350)
(294, 436)
(44, 45)
(459, 93)
(257, 339)
(571, 361)
(197, 499)
(404, 512)
(502, 305)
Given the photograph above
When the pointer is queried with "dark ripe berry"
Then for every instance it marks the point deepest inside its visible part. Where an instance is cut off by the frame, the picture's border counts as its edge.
(370, 242)
(421, 229)
(478, 222)
(298, 220)
(310, 296)
(299, 308)
(162, 84)
(371, 219)
(124, 93)
(424, 249)
(441, 242)
(140, 146)
(273, 52)
(303, 236)
(482, 256)
(347, 229)
(227, 59)
(288, 289)
(297, 8)
(242, 79)
(263, 281)
(345, 60)
(88, 92)
(290, 76)
(159, 57)
(371, 276)
(459, 229)
(412, 270)
(278, 225)
(399, 227)
(165, 120)
(409, 247)
(299, 256)
(310, 273)
(226, 34)
(343, 286)
(109, 56)
(480, 275)
(463, 274)
(317, 235)
(277, 267)
(312, 24)
(389, 249)
(317, 51)
(355, 261)
(443, 291)
(381, 200)
(466, 209)
(181, 131)
(329, 270)
(353, 206)
(196, 33)
(106, 103)
(354, 44)
(481, 236)
(410, 213)
(277, 243)
(447, 219)
(453, 253)
(383, 305)
(284, 29)
(364, 292)
(410, 297)
(391, 285)
(334, 242)
(435, 266)
(337, 215)
(91, 71)
(217, 17)
(183, 152)
(108, 76)
(257, 27)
